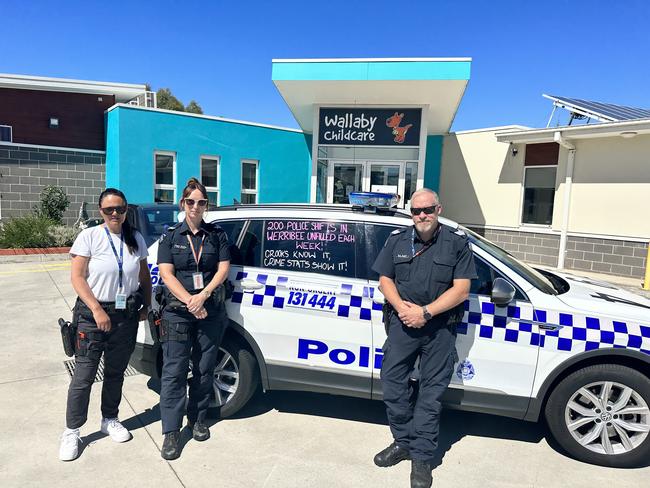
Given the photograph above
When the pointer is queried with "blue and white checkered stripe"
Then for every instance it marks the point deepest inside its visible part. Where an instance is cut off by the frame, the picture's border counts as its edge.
(482, 319)
(577, 332)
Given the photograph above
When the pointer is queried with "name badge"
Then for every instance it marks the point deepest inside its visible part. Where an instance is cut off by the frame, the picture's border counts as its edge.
(120, 301)
(197, 278)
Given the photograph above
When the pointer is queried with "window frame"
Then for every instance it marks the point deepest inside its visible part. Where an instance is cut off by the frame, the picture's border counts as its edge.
(257, 179)
(11, 133)
(162, 186)
(212, 189)
(523, 197)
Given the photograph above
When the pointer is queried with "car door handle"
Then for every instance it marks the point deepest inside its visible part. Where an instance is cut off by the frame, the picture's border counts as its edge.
(249, 284)
(545, 326)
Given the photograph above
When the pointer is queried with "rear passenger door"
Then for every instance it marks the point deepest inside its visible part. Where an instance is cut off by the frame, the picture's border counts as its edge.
(297, 293)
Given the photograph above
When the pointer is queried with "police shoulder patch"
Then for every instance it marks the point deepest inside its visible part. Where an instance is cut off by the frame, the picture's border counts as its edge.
(169, 229)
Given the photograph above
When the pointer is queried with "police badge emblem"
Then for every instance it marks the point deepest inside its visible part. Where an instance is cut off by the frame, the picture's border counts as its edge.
(465, 370)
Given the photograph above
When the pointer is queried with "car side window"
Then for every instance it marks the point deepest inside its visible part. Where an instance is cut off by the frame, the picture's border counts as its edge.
(376, 236)
(313, 246)
(232, 228)
(250, 246)
(486, 276)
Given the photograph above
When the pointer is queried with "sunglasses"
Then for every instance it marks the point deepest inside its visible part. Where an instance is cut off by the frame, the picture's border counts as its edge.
(110, 210)
(200, 203)
(426, 210)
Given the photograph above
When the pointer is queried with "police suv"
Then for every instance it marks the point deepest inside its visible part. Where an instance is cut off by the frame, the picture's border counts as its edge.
(306, 314)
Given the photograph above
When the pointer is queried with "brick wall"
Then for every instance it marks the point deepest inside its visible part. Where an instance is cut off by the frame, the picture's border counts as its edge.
(26, 170)
(621, 258)
(530, 247)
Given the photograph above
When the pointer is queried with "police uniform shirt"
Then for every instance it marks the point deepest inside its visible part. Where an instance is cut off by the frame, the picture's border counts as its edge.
(175, 249)
(423, 278)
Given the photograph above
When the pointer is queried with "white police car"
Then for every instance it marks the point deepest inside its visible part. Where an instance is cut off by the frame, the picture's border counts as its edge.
(306, 315)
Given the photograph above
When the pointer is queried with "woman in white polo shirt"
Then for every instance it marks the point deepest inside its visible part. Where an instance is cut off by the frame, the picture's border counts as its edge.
(111, 277)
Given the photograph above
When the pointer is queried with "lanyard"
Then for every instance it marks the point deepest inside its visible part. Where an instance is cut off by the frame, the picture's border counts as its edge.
(196, 258)
(120, 260)
(426, 246)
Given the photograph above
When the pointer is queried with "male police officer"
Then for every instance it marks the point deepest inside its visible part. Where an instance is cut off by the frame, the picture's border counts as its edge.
(425, 274)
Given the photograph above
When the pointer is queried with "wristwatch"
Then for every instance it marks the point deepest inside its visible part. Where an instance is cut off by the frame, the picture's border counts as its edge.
(425, 313)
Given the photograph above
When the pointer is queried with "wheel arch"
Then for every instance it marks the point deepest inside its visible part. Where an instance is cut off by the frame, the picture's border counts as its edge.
(234, 330)
(624, 357)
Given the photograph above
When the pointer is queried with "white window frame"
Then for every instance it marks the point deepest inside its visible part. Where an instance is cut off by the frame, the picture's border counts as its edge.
(165, 186)
(214, 189)
(523, 191)
(257, 178)
(11, 133)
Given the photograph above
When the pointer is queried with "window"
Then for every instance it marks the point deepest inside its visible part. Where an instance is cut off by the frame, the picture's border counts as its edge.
(6, 133)
(210, 178)
(486, 276)
(376, 236)
(539, 193)
(165, 177)
(249, 181)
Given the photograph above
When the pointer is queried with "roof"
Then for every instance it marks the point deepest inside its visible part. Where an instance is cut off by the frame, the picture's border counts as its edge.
(604, 112)
(436, 83)
(628, 128)
(123, 92)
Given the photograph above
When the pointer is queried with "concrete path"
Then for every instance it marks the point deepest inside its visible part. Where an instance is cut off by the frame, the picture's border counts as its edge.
(282, 440)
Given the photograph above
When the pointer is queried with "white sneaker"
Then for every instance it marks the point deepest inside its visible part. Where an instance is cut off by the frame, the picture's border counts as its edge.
(115, 429)
(69, 448)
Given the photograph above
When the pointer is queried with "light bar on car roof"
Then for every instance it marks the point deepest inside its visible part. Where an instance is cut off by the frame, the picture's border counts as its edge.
(372, 200)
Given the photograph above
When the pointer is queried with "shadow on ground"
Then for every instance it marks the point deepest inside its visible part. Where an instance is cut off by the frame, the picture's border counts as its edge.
(454, 424)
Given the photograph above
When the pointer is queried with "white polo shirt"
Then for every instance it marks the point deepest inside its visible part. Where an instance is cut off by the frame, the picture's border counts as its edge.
(103, 272)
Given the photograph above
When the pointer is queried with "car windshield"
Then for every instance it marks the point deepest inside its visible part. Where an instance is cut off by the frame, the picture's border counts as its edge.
(159, 219)
(534, 277)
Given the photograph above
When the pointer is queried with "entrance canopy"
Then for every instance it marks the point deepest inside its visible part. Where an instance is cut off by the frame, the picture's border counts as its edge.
(437, 84)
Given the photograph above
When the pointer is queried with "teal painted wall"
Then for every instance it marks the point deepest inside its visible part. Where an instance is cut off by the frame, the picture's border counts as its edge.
(372, 70)
(134, 134)
(433, 162)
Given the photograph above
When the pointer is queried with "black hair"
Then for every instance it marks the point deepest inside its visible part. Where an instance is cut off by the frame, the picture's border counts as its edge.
(127, 230)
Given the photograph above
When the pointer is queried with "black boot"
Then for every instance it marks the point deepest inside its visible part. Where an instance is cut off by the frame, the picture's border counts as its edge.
(170, 448)
(392, 455)
(200, 431)
(420, 474)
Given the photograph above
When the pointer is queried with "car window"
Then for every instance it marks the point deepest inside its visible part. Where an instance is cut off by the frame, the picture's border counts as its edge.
(376, 235)
(313, 246)
(250, 244)
(486, 276)
(232, 228)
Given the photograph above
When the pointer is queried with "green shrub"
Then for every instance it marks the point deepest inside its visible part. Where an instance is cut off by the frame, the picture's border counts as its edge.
(27, 231)
(63, 236)
(54, 203)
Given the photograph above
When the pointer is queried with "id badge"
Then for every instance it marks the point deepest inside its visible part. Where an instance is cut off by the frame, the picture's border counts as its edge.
(197, 278)
(120, 301)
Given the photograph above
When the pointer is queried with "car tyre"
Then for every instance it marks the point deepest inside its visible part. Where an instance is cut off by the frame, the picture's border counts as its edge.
(235, 352)
(600, 415)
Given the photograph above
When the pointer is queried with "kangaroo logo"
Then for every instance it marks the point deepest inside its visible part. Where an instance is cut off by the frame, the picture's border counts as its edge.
(399, 132)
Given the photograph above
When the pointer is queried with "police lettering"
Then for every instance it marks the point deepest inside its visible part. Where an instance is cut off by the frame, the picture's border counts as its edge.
(312, 347)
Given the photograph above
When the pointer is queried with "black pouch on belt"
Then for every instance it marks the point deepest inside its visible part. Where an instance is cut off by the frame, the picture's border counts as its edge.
(68, 335)
(386, 310)
(153, 317)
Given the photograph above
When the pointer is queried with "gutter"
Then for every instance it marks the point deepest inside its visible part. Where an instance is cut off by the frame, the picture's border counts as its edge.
(568, 183)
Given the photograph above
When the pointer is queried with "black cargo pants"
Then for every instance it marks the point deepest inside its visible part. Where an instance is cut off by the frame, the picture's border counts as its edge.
(117, 346)
(182, 338)
(415, 426)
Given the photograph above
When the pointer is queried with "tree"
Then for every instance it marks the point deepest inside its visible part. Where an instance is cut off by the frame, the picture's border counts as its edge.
(168, 101)
(193, 107)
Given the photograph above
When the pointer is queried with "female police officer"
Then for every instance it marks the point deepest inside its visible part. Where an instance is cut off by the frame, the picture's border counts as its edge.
(107, 280)
(193, 261)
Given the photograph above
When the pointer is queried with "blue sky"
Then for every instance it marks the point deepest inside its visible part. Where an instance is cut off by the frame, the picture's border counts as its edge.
(219, 53)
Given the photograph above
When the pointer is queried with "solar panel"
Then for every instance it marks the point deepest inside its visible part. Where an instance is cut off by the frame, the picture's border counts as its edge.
(605, 112)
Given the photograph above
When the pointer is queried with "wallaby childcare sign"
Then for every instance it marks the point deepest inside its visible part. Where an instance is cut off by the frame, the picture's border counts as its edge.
(370, 127)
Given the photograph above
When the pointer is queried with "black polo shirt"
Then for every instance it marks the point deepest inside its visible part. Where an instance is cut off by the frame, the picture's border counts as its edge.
(175, 249)
(423, 278)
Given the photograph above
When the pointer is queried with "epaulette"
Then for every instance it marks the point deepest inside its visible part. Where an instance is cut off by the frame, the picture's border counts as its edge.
(397, 231)
(170, 228)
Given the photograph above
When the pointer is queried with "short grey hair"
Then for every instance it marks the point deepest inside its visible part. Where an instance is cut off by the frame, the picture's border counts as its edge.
(426, 190)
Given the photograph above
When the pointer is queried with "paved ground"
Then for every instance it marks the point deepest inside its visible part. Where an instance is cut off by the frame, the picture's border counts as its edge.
(282, 440)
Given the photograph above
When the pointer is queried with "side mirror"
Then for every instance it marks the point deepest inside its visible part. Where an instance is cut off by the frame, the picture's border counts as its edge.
(502, 292)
